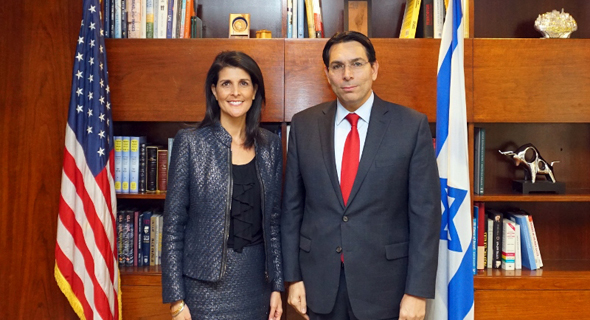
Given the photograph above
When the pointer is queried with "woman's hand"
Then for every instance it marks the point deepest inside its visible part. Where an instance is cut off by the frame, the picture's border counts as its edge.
(180, 311)
(276, 306)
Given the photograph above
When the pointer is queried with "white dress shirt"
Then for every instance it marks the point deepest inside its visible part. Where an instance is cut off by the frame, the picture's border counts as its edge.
(342, 128)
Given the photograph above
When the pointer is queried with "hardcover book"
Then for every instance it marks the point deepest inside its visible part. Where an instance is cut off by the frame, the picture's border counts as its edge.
(151, 169)
(497, 218)
(118, 163)
(162, 170)
(410, 20)
(125, 165)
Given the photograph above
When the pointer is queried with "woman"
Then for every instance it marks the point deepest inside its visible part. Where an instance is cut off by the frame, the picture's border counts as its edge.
(221, 256)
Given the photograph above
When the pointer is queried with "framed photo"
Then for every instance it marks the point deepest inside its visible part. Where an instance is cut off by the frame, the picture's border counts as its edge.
(357, 16)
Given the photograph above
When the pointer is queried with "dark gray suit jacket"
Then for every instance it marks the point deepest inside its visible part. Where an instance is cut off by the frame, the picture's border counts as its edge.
(389, 231)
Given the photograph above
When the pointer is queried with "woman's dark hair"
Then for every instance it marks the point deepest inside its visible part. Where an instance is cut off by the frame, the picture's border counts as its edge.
(348, 36)
(235, 59)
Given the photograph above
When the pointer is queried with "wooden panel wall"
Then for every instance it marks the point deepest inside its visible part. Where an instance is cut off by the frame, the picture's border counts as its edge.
(36, 58)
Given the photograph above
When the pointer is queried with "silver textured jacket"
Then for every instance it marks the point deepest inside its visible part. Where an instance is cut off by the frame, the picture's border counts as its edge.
(198, 203)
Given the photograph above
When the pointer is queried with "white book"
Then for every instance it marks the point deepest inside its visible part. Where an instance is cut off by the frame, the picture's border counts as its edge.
(162, 19)
(295, 19)
(490, 242)
(143, 17)
(518, 255)
(508, 244)
(438, 7)
(535, 242)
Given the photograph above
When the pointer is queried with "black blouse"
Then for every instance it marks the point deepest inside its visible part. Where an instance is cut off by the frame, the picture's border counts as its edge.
(245, 228)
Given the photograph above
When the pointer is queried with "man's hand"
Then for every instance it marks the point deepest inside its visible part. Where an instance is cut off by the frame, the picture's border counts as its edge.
(412, 308)
(296, 298)
(276, 306)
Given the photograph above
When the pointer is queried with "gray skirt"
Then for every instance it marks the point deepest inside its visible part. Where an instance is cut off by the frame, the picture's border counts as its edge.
(243, 292)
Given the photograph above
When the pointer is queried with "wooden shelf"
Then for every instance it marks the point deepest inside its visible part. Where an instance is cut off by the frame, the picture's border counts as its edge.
(555, 275)
(141, 196)
(582, 196)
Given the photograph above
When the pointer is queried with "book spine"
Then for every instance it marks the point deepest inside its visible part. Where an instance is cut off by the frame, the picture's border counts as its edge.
(427, 12)
(134, 165)
(143, 27)
(128, 238)
(112, 14)
(162, 170)
(490, 232)
(518, 248)
(139, 240)
(170, 20)
(149, 19)
(497, 218)
(508, 245)
(151, 169)
(310, 19)
(134, 23)
(162, 18)
(170, 145)
(528, 254)
(124, 19)
(125, 165)
(474, 244)
(295, 19)
(318, 22)
(438, 17)
(481, 230)
(118, 19)
(289, 18)
(301, 19)
(135, 237)
(482, 160)
(142, 167)
(153, 240)
(535, 242)
(476, 159)
(187, 18)
(146, 231)
(107, 18)
(120, 225)
(160, 231)
(410, 20)
(118, 163)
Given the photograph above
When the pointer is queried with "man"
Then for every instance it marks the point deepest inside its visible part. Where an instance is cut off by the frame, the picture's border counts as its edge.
(360, 238)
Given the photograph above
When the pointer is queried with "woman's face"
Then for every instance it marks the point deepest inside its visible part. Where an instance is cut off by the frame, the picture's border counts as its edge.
(234, 92)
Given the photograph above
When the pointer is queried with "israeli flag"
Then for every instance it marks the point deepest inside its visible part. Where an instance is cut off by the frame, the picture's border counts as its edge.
(454, 280)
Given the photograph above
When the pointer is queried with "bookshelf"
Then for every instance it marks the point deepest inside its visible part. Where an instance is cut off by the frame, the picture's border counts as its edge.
(520, 89)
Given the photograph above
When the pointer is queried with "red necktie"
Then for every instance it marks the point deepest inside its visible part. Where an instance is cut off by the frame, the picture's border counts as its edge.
(350, 157)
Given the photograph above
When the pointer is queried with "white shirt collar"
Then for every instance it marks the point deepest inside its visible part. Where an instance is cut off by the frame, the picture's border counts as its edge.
(363, 111)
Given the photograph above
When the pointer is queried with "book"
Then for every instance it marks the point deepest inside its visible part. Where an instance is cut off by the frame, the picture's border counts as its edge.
(162, 18)
(117, 19)
(479, 160)
(153, 219)
(151, 179)
(187, 18)
(170, 19)
(481, 230)
(425, 27)
(128, 238)
(118, 162)
(124, 19)
(170, 145)
(497, 218)
(438, 17)
(107, 18)
(289, 18)
(527, 251)
(300, 18)
(136, 247)
(536, 249)
(162, 170)
(146, 237)
(125, 165)
(134, 148)
(518, 251)
(142, 167)
(139, 240)
(134, 19)
(508, 244)
(490, 245)
(317, 19)
(120, 226)
(149, 19)
(474, 242)
(143, 27)
(310, 19)
(160, 224)
(410, 19)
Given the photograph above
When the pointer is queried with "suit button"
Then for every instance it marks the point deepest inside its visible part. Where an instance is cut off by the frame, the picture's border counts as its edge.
(345, 218)
(338, 249)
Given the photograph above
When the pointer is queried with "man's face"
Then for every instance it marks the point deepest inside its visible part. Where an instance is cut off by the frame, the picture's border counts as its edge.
(350, 74)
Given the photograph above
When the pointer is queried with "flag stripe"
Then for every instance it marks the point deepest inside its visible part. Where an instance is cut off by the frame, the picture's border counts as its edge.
(67, 269)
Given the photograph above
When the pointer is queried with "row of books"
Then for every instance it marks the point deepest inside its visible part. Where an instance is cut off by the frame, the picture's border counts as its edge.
(152, 19)
(139, 237)
(504, 240)
(139, 167)
(300, 12)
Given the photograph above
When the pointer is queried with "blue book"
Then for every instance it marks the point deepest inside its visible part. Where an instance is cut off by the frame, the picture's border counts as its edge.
(125, 165)
(118, 162)
(474, 238)
(146, 238)
(169, 18)
(107, 18)
(117, 19)
(527, 251)
(123, 19)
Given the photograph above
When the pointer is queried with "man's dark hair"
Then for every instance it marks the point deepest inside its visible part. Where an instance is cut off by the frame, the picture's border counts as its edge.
(348, 36)
(235, 59)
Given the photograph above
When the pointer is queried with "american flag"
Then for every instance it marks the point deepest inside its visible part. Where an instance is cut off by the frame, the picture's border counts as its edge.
(86, 253)
(454, 279)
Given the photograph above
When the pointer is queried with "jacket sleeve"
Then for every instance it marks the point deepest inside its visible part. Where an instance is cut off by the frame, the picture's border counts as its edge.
(275, 217)
(293, 205)
(175, 218)
(424, 215)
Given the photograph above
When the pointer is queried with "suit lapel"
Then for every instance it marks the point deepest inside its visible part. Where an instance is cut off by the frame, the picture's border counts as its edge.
(326, 129)
(377, 127)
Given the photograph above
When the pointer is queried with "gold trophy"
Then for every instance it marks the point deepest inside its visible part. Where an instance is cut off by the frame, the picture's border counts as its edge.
(239, 25)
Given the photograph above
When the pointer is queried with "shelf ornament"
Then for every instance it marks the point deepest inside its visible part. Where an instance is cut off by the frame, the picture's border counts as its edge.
(556, 24)
(530, 157)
